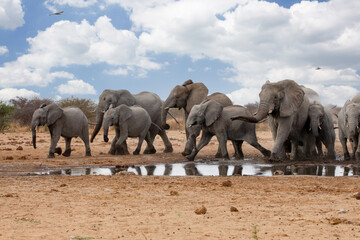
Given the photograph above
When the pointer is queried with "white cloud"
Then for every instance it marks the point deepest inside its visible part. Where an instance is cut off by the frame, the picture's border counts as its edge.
(53, 4)
(10, 93)
(66, 43)
(11, 14)
(244, 96)
(119, 71)
(76, 87)
(260, 40)
(3, 50)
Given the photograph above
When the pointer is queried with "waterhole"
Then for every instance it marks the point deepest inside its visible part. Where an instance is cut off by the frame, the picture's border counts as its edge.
(208, 168)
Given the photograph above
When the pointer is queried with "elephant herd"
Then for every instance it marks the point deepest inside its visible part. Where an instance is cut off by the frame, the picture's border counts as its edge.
(299, 123)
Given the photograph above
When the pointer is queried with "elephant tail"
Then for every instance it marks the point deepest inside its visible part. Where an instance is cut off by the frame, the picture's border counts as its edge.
(161, 129)
(90, 123)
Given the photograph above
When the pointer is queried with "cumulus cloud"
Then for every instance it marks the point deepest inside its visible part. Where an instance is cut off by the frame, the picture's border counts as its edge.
(260, 40)
(10, 93)
(3, 50)
(53, 5)
(66, 43)
(76, 87)
(11, 14)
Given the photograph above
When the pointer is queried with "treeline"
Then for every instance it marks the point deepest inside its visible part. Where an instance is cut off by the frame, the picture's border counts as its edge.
(20, 109)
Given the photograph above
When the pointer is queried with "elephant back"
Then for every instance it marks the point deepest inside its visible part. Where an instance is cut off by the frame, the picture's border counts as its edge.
(356, 99)
(151, 102)
(220, 98)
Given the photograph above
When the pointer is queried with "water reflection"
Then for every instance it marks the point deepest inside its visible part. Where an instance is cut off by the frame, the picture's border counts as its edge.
(207, 169)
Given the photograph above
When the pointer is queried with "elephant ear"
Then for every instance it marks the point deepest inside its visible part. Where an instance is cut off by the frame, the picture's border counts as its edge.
(292, 99)
(187, 82)
(197, 93)
(124, 113)
(54, 112)
(213, 112)
(125, 97)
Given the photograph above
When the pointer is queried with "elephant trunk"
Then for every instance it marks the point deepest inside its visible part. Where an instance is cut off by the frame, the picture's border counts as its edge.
(33, 129)
(164, 111)
(99, 119)
(314, 127)
(106, 130)
(261, 114)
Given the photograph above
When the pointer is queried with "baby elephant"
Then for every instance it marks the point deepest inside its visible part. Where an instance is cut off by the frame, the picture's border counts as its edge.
(216, 120)
(68, 122)
(129, 121)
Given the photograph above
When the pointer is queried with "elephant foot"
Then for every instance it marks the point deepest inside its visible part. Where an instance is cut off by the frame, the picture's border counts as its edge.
(67, 153)
(88, 154)
(150, 151)
(190, 157)
(238, 157)
(267, 153)
(112, 152)
(51, 155)
(346, 156)
(58, 150)
(168, 149)
(186, 152)
(136, 152)
(218, 155)
(275, 158)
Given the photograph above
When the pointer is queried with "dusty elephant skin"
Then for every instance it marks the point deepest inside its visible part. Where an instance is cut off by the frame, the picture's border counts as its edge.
(135, 207)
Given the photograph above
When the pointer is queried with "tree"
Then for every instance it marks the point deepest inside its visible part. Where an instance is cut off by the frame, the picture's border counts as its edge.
(24, 108)
(5, 116)
(86, 105)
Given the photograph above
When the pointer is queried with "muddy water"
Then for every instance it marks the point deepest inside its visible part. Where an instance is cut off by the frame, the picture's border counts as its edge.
(204, 168)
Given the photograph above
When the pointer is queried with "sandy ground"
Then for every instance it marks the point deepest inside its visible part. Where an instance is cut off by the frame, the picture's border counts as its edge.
(150, 207)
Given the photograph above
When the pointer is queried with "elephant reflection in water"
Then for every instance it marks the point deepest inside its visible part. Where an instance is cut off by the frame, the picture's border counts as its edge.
(151, 169)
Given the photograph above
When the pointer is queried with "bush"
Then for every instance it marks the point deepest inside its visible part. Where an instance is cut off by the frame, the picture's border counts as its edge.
(86, 105)
(24, 108)
(5, 116)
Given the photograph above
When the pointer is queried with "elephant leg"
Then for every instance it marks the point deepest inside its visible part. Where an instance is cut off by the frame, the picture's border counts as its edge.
(138, 148)
(319, 147)
(85, 139)
(191, 140)
(294, 149)
(67, 147)
(357, 151)
(256, 144)
(238, 149)
(121, 141)
(152, 149)
(343, 142)
(153, 132)
(55, 136)
(204, 140)
(166, 141)
(283, 131)
(222, 139)
(112, 150)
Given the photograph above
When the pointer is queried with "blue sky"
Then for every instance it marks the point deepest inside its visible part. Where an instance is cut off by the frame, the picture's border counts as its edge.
(233, 46)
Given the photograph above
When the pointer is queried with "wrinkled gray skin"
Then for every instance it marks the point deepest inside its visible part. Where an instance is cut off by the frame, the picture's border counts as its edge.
(186, 96)
(320, 128)
(133, 121)
(67, 122)
(286, 106)
(149, 101)
(216, 120)
(349, 125)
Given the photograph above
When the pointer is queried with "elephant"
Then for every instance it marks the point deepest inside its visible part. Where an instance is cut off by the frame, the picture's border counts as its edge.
(349, 124)
(67, 122)
(320, 127)
(286, 105)
(216, 120)
(129, 121)
(151, 102)
(186, 96)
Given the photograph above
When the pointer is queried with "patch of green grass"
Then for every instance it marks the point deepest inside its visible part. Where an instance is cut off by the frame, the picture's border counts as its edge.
(81, 238)
(255, 232)
(29, 220)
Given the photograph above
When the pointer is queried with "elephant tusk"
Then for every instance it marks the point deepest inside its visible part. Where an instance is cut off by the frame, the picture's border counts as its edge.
(173, 118)
(90, 123)
(167, 108)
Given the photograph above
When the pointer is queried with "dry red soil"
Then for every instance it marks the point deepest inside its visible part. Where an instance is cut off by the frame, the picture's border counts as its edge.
(150, 207)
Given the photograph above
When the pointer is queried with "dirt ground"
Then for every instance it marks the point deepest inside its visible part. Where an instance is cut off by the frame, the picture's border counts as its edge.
(153, 207)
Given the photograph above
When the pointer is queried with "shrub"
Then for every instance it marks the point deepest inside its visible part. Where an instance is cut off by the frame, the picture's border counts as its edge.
(5, 116)
(86, 105)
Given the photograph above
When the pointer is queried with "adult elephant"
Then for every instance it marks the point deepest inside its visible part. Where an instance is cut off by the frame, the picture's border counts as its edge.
(185, 96)
(286, 105)
(151, 102)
